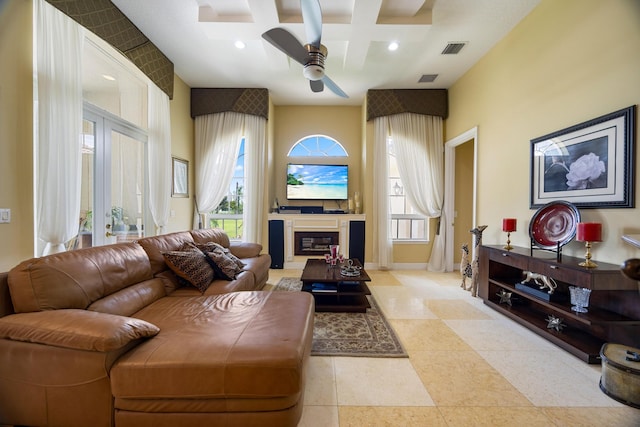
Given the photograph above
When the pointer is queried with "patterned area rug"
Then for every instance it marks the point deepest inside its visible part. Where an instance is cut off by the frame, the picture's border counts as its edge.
(350, 334)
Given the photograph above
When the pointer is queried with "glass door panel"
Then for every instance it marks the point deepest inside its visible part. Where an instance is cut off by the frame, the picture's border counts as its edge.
(114, 189)
(127, 187)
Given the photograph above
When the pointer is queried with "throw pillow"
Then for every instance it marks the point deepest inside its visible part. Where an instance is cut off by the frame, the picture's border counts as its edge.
(224, 266)
(212, 246)
(191, 266)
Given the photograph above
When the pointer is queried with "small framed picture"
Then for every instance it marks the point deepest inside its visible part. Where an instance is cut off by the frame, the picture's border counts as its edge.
(180, 183)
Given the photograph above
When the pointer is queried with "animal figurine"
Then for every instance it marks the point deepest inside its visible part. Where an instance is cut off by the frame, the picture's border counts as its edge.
(541, 280)
(465, 267)
(477, 233)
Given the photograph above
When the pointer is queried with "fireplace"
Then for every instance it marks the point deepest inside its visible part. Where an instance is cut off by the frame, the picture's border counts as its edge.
(313, 243)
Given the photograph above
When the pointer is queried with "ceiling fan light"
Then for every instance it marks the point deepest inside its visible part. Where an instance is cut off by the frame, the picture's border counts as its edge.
(313, 72)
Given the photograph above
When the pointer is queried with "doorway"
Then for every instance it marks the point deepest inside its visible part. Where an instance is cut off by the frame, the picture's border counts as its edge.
(456, 204)
(113, 188)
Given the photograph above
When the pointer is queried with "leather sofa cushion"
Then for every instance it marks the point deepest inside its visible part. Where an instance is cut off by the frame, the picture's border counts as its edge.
(155, 245)
(76, 279)
(216, 235)
(244, 281)
(76, 329)
(242, 345)
(245, 249)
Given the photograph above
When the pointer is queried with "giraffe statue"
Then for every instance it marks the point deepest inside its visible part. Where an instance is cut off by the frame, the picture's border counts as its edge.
(477, 232)
(465, 267)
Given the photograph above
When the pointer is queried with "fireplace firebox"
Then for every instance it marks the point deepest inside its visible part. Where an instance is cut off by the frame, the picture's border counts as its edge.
(312, 243)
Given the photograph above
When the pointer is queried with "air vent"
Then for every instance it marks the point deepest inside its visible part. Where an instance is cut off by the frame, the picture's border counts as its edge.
(453, 48)
(427, 78)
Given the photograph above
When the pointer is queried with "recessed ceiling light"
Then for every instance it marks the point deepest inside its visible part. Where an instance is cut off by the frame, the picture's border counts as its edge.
(108, 77)
(393, 46)
(240, 44)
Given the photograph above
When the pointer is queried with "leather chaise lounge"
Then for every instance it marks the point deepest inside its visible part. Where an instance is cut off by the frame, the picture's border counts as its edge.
(111, 336)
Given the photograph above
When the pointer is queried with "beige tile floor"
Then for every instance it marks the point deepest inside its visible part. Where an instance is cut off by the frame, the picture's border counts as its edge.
(467, 366)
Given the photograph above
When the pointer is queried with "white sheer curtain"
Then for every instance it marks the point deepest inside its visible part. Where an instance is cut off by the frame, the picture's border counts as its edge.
(255, 172)
(59, 126)
(383, 245)
(419, 148)
(218, 138)
(159, 157)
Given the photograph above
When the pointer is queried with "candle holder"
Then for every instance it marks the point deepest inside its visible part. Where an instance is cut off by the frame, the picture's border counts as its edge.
(589, 232)
(509, 225)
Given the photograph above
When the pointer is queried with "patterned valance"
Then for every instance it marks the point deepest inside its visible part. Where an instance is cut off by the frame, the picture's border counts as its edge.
(247, 101)
(107, 21)
(386, 102)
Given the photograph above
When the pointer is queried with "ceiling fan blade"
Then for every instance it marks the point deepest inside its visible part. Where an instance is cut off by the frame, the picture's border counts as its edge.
(316, 85)
(287, 43)
(334, 87)
(312, 18)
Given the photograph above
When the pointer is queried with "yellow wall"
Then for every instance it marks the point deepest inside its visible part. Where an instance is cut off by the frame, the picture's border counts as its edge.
(182, 146)
(292, 123)
(16, 135)
(567, 62)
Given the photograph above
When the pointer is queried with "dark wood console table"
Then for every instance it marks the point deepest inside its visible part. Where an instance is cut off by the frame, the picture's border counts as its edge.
(614, 305)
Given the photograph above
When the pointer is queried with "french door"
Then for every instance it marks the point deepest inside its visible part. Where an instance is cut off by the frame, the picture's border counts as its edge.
(114, 198)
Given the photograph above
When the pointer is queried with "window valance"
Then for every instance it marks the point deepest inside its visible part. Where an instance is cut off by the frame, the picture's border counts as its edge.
(107, 21)
(387, 102)
(252, 101)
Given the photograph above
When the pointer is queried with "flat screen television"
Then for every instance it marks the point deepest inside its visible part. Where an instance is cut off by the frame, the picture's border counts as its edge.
(317, 182)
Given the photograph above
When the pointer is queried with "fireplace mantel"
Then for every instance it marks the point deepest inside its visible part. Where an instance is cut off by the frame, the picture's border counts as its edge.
(313, 222)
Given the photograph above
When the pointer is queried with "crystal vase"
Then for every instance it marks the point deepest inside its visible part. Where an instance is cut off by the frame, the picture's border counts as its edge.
(579, 299)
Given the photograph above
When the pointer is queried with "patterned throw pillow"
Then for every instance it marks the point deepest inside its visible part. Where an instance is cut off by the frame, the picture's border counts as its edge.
(191, 266)
(212, 247)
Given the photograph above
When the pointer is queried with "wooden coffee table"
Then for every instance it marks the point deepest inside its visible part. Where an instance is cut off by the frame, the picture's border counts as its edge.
(334, 292)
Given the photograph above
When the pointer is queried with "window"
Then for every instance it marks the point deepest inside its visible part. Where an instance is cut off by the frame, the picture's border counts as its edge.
(406, 223)
(228, 214)
(317, 146)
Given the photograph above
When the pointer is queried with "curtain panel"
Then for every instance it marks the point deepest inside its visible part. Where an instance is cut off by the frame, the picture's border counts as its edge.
(419, 149)
(159, 158)
(59, 42)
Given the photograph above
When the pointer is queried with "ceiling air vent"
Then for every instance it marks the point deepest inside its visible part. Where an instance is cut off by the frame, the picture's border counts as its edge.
(427, 78)
(453, 48)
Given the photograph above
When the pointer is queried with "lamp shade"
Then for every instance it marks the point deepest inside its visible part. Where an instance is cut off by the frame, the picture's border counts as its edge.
(509, 224)
(589, 232)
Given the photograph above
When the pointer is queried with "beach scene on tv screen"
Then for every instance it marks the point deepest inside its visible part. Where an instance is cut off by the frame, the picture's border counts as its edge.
(317, 182)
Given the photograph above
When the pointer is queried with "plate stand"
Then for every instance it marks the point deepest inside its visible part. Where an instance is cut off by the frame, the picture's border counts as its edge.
(557, 250)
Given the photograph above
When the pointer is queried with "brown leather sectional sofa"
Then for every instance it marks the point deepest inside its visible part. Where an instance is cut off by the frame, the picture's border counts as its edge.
(108, 336)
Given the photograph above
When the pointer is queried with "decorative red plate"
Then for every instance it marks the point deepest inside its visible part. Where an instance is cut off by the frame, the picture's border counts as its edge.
(554, 224)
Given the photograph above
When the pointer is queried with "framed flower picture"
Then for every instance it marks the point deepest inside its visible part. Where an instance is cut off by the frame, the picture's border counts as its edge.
(590, 164)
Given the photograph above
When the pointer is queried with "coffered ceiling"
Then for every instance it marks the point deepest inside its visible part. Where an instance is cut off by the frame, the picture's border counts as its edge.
(199, 37)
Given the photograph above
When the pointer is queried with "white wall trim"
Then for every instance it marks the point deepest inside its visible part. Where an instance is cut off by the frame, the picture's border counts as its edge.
(449, 188)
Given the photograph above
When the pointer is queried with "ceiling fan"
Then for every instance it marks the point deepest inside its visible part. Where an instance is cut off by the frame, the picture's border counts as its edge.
(311, 56)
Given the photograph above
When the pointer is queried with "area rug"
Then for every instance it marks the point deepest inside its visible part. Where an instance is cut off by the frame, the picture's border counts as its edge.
(350, 334)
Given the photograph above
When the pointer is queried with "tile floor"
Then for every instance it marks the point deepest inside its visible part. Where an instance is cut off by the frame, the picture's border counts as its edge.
(468, 366)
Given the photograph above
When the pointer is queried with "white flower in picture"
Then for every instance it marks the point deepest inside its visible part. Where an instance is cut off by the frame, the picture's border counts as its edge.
(583, 171)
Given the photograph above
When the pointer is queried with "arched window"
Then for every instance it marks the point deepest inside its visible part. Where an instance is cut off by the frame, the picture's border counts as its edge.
(317, 146)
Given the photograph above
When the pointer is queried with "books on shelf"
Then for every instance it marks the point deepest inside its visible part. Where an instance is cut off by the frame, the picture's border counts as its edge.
(324, 287)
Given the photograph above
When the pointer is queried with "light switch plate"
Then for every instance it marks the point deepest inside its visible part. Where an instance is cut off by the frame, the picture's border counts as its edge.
(5, 216)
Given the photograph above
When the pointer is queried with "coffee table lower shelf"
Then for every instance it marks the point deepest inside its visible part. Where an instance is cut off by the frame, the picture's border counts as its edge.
(352, 301)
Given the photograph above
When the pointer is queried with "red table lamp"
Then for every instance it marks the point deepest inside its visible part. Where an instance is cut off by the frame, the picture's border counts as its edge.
(589, 232)
(509, 225)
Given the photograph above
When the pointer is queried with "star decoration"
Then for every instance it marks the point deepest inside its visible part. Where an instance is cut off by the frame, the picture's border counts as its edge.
(505, 297)
(554, 322)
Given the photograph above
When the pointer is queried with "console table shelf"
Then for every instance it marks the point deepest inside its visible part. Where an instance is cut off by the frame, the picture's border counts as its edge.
(614, 309)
